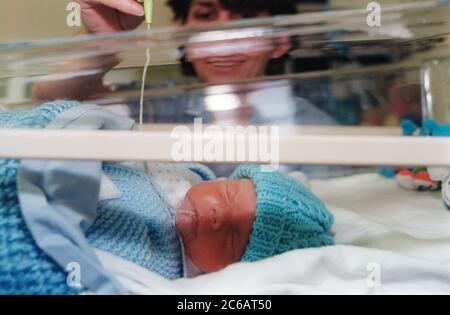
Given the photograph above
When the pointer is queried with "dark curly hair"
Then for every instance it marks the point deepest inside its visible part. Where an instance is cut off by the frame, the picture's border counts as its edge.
(181, 8)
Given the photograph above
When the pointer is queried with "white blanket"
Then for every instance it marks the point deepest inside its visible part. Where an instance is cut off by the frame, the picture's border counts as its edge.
(391, 241)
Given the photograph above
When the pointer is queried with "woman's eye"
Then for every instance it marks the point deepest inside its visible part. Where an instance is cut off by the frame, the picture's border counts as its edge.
(248, 16)
(203, 15)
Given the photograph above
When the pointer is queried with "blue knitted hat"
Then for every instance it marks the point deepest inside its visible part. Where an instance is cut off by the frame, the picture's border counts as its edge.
(288, 215)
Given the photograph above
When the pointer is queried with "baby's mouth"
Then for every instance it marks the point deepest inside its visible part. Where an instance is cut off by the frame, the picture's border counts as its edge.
(186, 221)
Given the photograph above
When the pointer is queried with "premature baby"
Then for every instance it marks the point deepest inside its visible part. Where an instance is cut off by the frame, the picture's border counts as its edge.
(249, 217)
(204, 224)
(252, 216)
(175, 220)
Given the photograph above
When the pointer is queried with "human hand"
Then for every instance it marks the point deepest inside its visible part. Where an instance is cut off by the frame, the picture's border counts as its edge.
(105, 16)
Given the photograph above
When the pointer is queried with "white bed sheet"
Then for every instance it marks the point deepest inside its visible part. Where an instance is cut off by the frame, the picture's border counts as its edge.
(390, 241)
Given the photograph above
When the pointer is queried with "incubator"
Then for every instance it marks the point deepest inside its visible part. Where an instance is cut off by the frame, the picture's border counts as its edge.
(337, 102)
(314, 74)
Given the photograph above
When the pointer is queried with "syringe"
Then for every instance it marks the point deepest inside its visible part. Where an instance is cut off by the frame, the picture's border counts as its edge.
(148, 9)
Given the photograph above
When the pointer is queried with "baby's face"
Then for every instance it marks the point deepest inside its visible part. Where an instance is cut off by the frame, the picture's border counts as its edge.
(216, 221)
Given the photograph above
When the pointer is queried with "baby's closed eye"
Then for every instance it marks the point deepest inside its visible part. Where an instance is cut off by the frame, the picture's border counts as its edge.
(231, 193)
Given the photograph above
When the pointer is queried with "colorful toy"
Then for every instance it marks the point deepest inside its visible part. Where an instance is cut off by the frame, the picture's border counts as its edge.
(415, 178)
(423, 178)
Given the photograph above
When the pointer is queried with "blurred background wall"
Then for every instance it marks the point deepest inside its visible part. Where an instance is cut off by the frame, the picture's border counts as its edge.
(35, 19)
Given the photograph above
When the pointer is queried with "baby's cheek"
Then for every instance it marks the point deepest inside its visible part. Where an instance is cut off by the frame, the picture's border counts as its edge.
(209, 255)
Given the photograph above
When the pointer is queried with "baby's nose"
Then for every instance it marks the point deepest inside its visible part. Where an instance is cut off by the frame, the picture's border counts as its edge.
(218, 217)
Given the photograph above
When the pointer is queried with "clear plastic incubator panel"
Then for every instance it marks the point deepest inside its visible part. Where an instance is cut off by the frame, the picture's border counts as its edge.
(324, 73)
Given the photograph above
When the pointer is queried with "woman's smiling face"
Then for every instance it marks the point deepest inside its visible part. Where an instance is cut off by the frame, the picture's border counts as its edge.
(215, 222)
(232, 60)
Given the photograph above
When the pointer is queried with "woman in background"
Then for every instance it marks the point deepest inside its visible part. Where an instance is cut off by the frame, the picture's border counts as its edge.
(264, 103)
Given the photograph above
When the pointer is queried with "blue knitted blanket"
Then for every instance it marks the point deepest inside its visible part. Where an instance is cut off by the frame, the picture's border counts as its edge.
(24, 268)
(138, 226)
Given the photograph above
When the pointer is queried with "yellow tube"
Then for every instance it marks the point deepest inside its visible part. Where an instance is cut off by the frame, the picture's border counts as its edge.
(148, 9)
